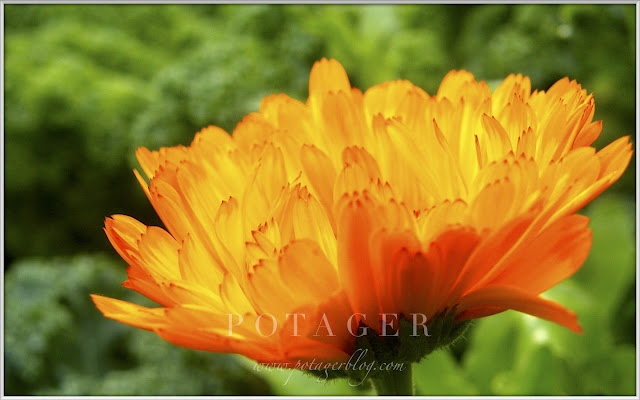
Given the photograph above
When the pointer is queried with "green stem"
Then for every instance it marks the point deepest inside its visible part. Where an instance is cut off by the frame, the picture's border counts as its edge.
(395, 383)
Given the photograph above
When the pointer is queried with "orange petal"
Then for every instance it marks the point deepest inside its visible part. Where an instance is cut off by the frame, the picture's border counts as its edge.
(159, 251)
(488, 300)
(414, 280)
(287, 275)
(453, 85)
(355, 225)
(124, 234)
(387, 266)
(588, 135)
(143, 283)
(284, 112)
(399, 99)
(554, 255)
(494, 205)
(455, 247)
(170, 208)
(197, 265)
(269, 177)
(342, 118)
(129, 313)
(437, 219)
(253, 130)
(301, 260)
(311, 221)
(488, 254)
(513, 86)
(328, 76)
(321, 327)
(321, 174)
(183, 332)
(263, 281)
(229, 239)
(615, 158)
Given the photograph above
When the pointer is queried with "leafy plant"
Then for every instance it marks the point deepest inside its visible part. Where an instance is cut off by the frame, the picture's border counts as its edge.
(58, 343)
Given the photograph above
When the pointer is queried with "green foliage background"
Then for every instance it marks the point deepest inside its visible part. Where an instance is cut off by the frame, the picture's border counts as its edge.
(85, 85)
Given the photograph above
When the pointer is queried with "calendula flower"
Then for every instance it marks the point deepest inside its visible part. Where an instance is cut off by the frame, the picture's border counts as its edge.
(378, 221)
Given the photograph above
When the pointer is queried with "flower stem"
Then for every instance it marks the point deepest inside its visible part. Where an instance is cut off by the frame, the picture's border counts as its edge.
(395, 383)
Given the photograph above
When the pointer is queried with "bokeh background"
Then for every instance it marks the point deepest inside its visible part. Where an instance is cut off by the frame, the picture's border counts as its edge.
(85, 85)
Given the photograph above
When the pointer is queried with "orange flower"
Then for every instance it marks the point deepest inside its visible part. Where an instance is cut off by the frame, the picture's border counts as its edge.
(365, 210)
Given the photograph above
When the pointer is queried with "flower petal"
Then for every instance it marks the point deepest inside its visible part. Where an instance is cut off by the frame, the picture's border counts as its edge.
(328, 76)
(491, 299)
(554, 255)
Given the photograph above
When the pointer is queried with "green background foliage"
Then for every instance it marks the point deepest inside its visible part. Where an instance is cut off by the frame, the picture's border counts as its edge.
(85, 85)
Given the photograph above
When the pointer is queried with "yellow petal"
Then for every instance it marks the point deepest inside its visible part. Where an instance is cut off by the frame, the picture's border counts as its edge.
(328, 76)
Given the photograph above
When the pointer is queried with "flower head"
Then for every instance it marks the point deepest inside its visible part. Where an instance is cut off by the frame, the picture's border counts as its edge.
(369, 210)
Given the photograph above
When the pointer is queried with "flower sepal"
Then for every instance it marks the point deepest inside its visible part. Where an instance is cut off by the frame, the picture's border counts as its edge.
(383, 358)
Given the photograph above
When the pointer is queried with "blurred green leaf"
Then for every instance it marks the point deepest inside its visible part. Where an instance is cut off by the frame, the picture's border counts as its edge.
(486, 357)
(440, 375)
(538, 372)
(611, 373)
(611, 263)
